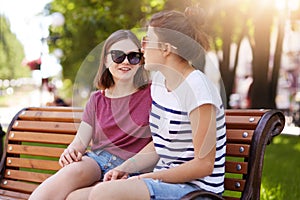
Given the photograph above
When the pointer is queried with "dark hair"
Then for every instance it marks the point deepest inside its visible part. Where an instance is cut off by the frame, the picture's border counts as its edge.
(184, 31)
(104, 78)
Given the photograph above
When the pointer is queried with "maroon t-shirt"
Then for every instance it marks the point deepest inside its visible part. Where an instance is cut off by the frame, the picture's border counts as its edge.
(120, 125)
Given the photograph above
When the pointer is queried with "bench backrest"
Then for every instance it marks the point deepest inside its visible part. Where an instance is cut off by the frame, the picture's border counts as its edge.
(248, 133)
(36, 138)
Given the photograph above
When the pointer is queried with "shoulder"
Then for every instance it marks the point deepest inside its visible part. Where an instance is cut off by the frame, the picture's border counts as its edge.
(157, 77)
(203, 90)
(143, 93)
(198, 80)
(95, 96)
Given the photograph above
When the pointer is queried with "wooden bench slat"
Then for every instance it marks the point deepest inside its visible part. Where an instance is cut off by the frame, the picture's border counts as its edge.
(236, 167)
(26, 175)
(18, 186)
(57, 108)
(51, 116)
(246, 112)
(41, 137)
(241, 122)
(234, 184)
(237, 150)
(43, 126)
(35, 150)
(33, 163)
(239, 135)
(7, 194)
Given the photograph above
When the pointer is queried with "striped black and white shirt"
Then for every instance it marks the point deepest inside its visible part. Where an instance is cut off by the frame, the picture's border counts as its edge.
(171, 128)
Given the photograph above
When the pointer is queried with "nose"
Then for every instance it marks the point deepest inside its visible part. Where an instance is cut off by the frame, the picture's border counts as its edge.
(126, 61)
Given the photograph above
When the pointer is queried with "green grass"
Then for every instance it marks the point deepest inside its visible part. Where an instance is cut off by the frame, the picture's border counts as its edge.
(281, 172)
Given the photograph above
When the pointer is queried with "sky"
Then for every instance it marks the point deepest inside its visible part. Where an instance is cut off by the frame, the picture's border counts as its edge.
(26, 24)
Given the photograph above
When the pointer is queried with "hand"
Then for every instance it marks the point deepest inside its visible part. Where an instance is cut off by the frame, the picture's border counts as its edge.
(69, 156)
(115, 174)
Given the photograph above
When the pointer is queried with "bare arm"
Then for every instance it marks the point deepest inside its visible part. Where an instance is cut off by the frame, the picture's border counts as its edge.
(203, 122)
(78, 146)
(143, 161)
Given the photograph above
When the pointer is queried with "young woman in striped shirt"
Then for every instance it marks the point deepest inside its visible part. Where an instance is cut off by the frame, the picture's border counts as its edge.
(187, 118)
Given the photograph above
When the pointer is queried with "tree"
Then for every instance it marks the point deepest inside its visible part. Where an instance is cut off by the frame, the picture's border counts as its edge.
(88, 23)
(230, 22)
(11, 53)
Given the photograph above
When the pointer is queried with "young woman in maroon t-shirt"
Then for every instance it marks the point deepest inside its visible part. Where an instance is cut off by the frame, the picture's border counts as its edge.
(115, 120)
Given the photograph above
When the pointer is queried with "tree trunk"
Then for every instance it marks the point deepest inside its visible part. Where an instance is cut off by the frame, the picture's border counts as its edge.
(260, 89)
(277, 60)
(225, 70)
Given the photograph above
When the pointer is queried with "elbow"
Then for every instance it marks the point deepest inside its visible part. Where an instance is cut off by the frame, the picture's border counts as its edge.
(205, 168)
(210, 167)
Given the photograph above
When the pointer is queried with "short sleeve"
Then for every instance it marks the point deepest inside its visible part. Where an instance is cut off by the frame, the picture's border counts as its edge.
(90, 110)
(202, 92)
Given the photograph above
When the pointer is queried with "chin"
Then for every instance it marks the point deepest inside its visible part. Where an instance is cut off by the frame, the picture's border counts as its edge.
(150, 66)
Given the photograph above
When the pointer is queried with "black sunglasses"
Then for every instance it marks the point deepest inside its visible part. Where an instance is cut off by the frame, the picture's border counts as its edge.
(119, 56)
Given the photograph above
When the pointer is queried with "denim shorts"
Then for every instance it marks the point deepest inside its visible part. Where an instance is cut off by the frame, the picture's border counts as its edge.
(167, 191)
(105, 160)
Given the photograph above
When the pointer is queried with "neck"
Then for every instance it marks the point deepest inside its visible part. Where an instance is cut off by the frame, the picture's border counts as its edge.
(120, 90)
(176, 74)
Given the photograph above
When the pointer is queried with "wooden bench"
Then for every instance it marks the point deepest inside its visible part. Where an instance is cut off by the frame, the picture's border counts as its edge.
(37, 136)
(248, 134)
(35, 139)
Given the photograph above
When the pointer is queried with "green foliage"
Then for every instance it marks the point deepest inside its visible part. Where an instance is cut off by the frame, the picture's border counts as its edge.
(88, 23)
(11, 53)
(66, 91)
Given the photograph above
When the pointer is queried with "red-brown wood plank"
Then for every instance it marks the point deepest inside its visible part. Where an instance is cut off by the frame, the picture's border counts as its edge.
(32, 163)
(40, 137)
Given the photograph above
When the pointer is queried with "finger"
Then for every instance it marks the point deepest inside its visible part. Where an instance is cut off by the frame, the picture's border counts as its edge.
(107, 176)
(68, 159)
(73, 155)
(114, 175)
(79, 156)
(64, 161)
(60, 162)
(125, 176)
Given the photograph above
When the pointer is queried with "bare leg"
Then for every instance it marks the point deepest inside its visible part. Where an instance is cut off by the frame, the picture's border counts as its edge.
(71, 177)
(80, 194)
(131, 189)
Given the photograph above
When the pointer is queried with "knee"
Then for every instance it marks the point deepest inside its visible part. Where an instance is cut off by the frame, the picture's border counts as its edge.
(97, 192)
(72, 196)
(42, 190)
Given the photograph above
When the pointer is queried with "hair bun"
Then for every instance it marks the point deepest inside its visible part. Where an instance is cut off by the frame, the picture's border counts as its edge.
(195, 14)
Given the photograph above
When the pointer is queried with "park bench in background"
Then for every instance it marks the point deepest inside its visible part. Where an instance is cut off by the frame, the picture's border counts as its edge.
(38, 135)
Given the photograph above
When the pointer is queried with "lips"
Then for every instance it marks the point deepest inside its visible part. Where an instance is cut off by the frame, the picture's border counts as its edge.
(125, 68)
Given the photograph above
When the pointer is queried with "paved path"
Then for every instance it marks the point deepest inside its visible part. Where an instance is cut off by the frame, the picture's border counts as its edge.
(291, 130)
(7, 114)
(16, 102)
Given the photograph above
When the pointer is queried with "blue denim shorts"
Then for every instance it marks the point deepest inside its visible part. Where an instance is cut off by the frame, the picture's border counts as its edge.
(161, 191)
(105, 160)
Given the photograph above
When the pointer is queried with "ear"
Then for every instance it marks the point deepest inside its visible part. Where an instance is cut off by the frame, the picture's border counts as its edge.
(166, 49)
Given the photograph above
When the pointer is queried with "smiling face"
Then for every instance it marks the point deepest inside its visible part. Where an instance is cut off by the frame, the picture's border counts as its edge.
(123, 71)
